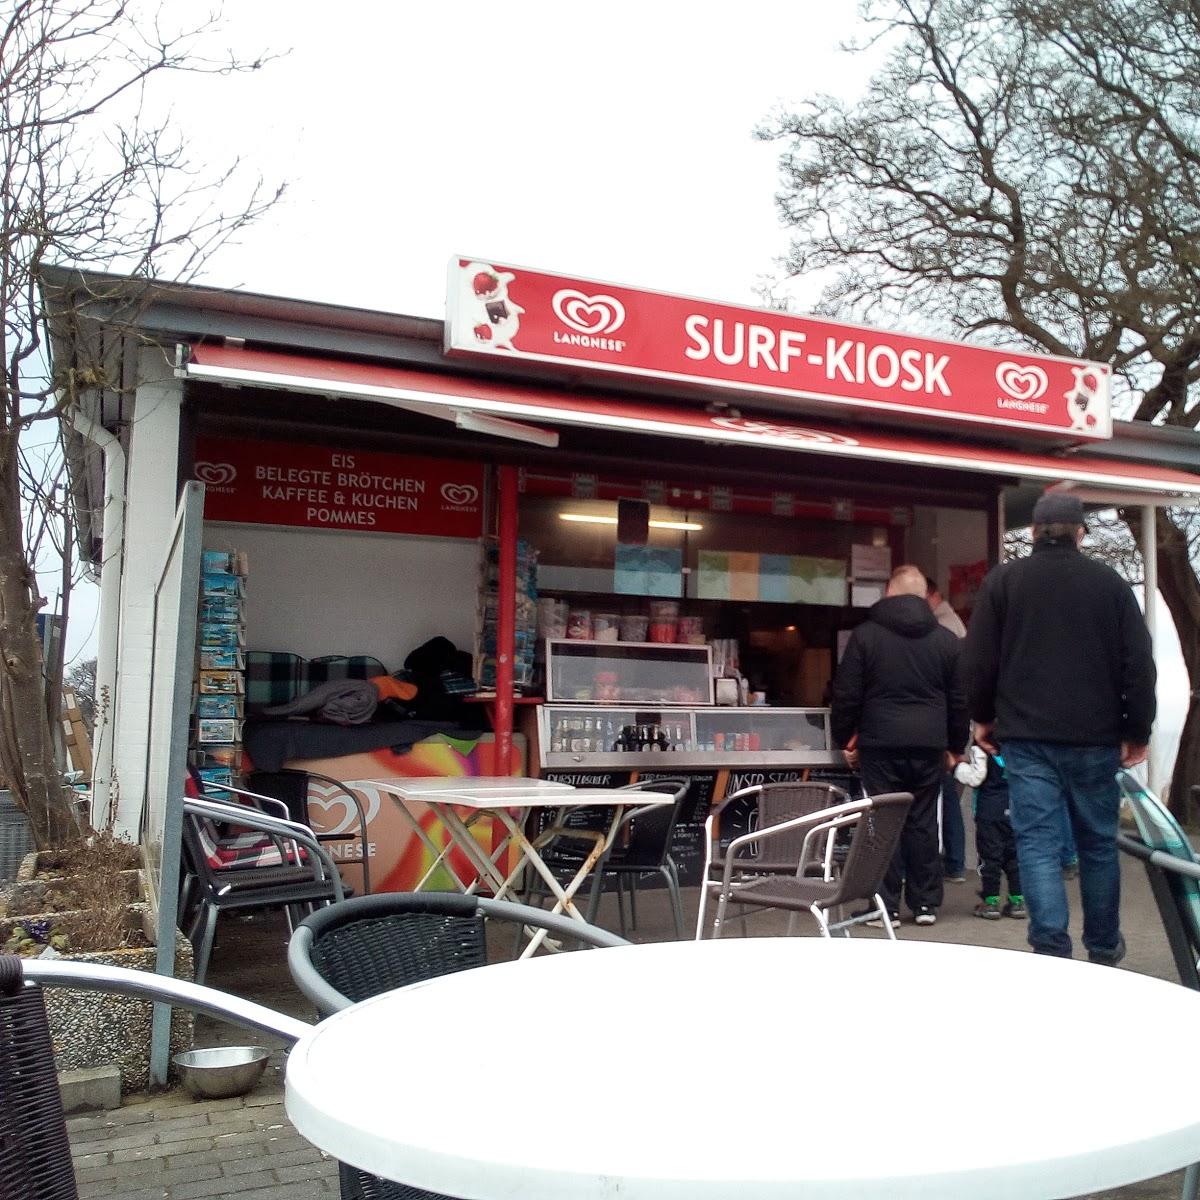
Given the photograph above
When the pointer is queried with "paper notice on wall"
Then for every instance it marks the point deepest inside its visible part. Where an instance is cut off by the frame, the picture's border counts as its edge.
(863, 595)
(870, 562)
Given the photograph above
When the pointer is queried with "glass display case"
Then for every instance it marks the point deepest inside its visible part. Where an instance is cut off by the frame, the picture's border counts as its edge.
(595, 736)
(628, 673)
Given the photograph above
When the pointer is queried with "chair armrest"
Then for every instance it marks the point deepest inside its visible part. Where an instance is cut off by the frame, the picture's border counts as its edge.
(165, 989)
(338, 785)
(257, 797)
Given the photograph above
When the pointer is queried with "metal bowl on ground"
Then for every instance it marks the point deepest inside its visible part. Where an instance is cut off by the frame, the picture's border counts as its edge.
(220, 1071)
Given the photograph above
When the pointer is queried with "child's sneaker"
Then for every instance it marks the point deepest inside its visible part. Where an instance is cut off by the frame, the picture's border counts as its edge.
(876, 922)
(1016, 909)
(988, 908)
(924, 915)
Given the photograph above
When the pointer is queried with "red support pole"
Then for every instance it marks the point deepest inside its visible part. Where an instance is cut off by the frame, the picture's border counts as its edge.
(506, 613)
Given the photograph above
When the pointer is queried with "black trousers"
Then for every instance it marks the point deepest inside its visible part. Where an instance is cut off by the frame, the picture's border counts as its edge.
(997, 853)
(917, 865)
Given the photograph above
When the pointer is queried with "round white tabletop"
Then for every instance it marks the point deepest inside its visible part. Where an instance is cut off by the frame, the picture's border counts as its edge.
(759, 1067)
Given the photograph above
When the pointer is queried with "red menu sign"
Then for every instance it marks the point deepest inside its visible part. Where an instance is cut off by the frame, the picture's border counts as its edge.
(282, 483)
(511, 312)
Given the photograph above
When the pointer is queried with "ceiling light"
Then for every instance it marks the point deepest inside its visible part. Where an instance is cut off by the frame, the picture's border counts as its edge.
(597, 519)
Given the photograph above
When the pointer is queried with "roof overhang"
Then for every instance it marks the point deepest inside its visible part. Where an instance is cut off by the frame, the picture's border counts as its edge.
(1117, 482)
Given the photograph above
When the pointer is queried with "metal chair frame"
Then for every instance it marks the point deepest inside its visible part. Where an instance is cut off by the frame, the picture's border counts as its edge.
(295, 885)
(657, 861)
(304, 817)
(750, 866)
(875, 824)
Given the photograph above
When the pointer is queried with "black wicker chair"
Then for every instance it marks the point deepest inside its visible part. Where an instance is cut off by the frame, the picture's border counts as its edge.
(641, 846)
(35, 1154)
(372, 944)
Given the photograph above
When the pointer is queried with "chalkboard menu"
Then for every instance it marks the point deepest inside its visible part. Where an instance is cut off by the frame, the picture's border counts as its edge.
(576, 818)
(687, 844)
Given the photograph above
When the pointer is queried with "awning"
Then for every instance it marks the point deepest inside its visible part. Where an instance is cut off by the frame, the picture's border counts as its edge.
(1103, 480)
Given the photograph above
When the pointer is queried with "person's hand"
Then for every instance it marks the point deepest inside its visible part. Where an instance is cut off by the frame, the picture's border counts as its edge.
(983, 736)
(952, 761)
(851, 757)
(1132, 753)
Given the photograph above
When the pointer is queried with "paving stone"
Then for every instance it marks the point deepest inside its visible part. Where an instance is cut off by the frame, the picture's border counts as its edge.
(313, 1190)
(318, 1170)
(306, 1153)
(230, 1185)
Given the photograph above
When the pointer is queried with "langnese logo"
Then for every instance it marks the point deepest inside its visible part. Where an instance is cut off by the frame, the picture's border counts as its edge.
(590, 318)
(459, 495)
(216, 475)
(1024, 386)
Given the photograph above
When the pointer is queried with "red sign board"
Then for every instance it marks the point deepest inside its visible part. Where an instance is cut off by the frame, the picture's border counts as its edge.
(511, 312)
(281, 483)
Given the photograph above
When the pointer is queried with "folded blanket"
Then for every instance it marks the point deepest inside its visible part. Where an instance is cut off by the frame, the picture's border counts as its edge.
(340, 701)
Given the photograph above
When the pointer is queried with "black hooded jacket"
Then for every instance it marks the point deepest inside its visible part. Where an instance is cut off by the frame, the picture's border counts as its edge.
(899, 685)
(1058, 651)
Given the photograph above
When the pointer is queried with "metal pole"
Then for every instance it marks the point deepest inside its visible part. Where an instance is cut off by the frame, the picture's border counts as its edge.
(1150, 578)
(506, 604)
(1150, 569)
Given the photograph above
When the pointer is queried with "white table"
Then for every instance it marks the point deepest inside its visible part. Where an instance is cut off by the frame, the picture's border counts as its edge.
(832, 1042)
(508, 800)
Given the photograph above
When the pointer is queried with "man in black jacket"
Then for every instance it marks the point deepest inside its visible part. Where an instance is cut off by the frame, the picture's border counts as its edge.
(898, 707)
(1061, 675)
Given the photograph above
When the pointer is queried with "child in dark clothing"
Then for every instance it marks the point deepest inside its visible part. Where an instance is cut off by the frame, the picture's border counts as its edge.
(993, 834)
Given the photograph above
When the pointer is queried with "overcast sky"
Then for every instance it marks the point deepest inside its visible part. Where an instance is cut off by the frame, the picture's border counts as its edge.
(611, 141)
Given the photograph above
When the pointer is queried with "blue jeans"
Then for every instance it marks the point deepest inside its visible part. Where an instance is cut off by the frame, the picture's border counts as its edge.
(1045, 780)
(1069, 855)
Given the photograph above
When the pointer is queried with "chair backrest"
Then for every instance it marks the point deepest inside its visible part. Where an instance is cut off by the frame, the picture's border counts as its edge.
(650, 830)
(372, 944)
(872, 845)
(1161, 831)
(781, 802)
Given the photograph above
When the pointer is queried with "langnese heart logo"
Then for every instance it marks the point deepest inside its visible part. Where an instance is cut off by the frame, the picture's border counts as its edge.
(459, 493)
(1021, 383)
(588, 314)
(215, 473)
(337, 814)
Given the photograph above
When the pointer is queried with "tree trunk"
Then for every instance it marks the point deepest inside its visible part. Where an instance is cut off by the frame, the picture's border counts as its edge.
(1181, 590)
(26, 746)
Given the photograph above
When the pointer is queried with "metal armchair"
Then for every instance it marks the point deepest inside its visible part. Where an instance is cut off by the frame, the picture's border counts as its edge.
(303, 877)
(35, 1155)
(776, 806)
(641, 845)
(875, 826)
(291, 787)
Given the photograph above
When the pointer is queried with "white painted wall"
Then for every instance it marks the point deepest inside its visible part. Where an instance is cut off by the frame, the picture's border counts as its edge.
(150, 499)
(323, 591)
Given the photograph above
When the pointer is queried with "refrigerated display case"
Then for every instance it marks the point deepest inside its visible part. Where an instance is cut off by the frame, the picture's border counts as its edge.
(589, 737)
(628, 673)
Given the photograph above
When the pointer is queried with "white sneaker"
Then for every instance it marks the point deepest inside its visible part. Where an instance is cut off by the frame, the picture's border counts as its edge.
(925, 916)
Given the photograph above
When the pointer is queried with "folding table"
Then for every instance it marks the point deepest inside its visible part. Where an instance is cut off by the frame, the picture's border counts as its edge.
(509, 800)
(840, 1111)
